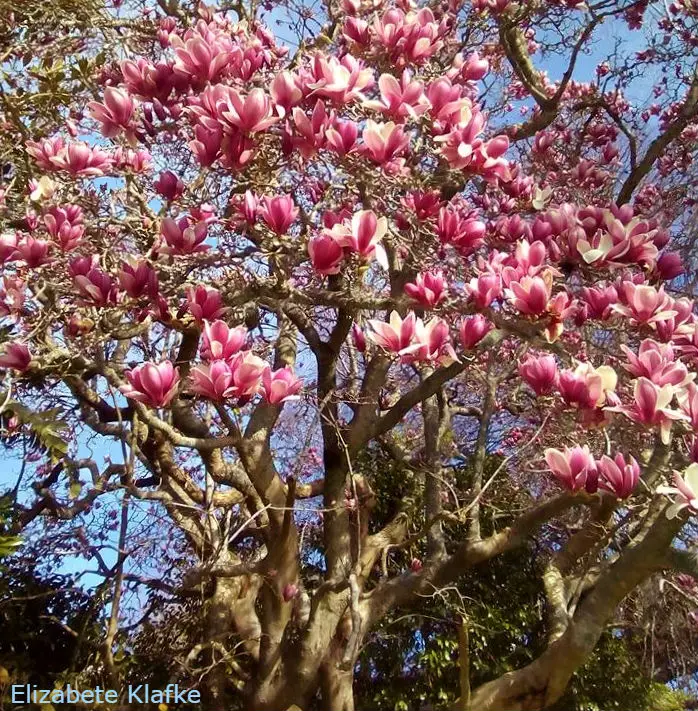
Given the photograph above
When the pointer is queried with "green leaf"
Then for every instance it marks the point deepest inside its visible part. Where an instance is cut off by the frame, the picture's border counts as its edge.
(45, 427)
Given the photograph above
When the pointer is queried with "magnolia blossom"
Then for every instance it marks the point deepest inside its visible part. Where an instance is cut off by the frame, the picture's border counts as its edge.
(220, 342)
(81, 160)
(183, 238)
(586, 386)
(250, 114)
(285, 91)
(169, 185)
(395, 336)
(115, 113)
(138, 279)
(400, 98)
(473, 329)
(213, 381)
(96, 286)
(64, 224)
(326, 254)
(16, 356)
(530, 295)
(645, 304)
(205, 303)
(685, 490)
(363, 236)
(340, 80)
(618, 477)
(428, 289)
(152, 384)
(280, 385)
(485, 289)
(279, 213)
(651, 407)
(574, 467)
(432, 342)
(540, 372)
(239, 378)
(383, 142)
(655, 361)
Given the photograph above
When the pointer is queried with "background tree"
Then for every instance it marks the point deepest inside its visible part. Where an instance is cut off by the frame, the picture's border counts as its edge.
(254, 275)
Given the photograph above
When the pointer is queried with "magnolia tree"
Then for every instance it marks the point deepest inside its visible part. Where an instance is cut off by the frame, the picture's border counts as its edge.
(274, 238)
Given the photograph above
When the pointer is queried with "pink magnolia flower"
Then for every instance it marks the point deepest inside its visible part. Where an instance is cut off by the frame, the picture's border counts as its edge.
(588, 387)
(473, 329)
(205, 303)
(462, 148)
(80, 266)
(44, 152)
(326, 254)
(8, 247)
(182, 238)
(341, 136)
(250, 114)
(340, 80)
(617, 476)
(428, 290)
(599, 301)
(64, 224)
(130, 161)
(383, 142)
(409, 37)
(484, 289)
(311, 131)
(574, 467)
(464, 233)
(278, 213)
(285, 91)
(645, 304)
(220, 342)
(213, 381)
(12, 296)
(432, 342)
(540, 372)
(248, 370)
(423, 203)
(138, 279)
(169, 185)
(34, 252)
(97, 287)
(115, 113)
(685, 489)
(148, 80)
(200, 59)
(530, 295)
(670, 265)
(16, 356)
(395, 336)
(400, 99)
(687, 398)
(81, 160)
(245, 207)
(358, 337)
(656, 362)
(152, 384)
(475, 67)
(357, 31)
(363, 236)
(280, 385)
(207, 142)
(651, 407)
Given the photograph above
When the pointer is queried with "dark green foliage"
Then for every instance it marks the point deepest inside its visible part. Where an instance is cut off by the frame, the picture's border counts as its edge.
(49, 627)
